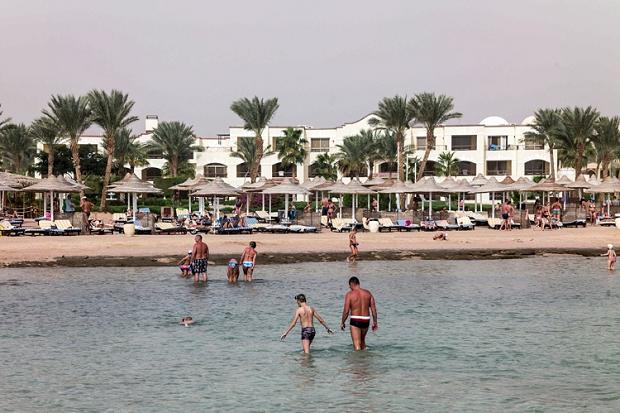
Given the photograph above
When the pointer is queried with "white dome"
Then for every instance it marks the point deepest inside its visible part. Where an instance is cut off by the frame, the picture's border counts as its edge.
(494, 121)
(530, 120)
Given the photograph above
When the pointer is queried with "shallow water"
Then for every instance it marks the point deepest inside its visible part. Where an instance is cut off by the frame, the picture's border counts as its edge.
(531, 335)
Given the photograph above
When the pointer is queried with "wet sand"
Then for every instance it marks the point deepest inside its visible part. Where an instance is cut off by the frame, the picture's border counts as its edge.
(154, 250)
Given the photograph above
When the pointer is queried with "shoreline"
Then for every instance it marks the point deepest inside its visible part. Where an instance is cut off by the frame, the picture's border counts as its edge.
(287, 258)
(167, 250)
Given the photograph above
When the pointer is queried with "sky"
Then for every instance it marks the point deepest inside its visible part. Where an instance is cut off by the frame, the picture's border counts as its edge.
(329, 62)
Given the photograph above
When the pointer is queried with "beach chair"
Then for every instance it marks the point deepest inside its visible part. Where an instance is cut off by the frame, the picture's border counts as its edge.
(106, 229)
(302, 228)
(169, 228)
(263, 216)
(576, 223)
(465, 223)
(182, 212)
(119, 217)
(494, 223)
(407, 225)
(8, 229)
(444, 225)
(141, 230)
(253, 223)
(477, 218)
(387, 224)
(67, 229)
(428, 225)
(324, 220)
(607, 222)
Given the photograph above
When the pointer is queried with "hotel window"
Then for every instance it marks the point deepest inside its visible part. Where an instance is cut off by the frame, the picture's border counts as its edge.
(499, 167)
(216, 170)
(464, 142)
(497, 143)
(534, 144)
(319, 145)
(154, 154)
(467, 168)
(244, 172)
(536, 167)
(420, 142)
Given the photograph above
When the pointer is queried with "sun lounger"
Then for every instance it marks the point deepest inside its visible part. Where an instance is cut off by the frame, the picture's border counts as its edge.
(607, 222)
(6, 228)
(428, 225)
(324, 220)
(45, 228)
(340, 224)
(302, 228)
(253, 223)
(182, 212)
(101, 230)
(119, 217)
(407, 225)
(169, 228)
(263, 216)
(233, 230)
(387, 224)
(67, 229)
(444, 225)
(465, 223)
(140, 230)
(494, 223)
(580, 222)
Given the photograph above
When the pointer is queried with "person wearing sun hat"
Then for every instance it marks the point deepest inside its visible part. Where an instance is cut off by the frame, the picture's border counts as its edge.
(611, 257)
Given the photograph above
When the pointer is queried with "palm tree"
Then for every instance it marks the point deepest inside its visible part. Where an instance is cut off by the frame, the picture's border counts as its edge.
(576, 133)
(72, 116)
(292, 148)
(545, 129)
(112, 113)
(4, 122)
(431, 110)
(325, 166)
(176, 141)
(447, 164)
(394, 115)
(387, 150)
(46, 131)
(256, 115)
(246, 151)
(17, 147)
(607, 142)
(353, 155)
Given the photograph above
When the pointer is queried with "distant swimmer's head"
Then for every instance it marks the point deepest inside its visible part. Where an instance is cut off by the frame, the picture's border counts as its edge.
(301, 298)
(252, 244)
(610, 246)
(354, 282)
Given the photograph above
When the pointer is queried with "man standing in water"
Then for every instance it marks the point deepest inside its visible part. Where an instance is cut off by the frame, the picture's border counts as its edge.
(248, 261)
(306, 315)
(358, 304)
(200, 259)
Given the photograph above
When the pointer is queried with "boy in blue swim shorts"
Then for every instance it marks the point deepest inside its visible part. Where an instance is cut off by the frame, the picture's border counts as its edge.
(248, 261)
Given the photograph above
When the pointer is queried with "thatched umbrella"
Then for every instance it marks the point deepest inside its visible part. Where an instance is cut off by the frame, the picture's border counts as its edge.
(5, 188)
(397, 187)
(259, 186)
(429, 186)
(216, 188)
(286, 188)
(459, 187)
(131, 184)
(355, 188)
(449, 183)
(478, 181)
(608, 186)
(51, 185)
(491, 187)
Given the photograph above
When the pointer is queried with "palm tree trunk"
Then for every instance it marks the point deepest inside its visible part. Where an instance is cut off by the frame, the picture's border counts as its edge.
(259, 157)
(50, 162)
(427, 151)
(174, 166)
(108, 174)
(400, 156)
(371, 166)
(605, 165)
(579, 160)
(75, 157)
(551, 163)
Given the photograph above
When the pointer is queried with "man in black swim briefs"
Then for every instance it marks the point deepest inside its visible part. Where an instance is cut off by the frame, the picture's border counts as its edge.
(358, 305)
(306, 315)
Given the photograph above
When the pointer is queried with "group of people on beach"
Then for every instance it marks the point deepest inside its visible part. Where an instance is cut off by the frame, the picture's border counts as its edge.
(196, 262)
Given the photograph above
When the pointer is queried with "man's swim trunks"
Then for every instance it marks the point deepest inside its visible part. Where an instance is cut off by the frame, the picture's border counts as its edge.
(307, 333)
(360, 321)
(199, 266)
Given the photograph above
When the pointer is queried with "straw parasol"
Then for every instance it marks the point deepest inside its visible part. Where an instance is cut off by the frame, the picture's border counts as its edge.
(608, 186)
(491, 187)
(507, 180)
(286, 188)
(5, 188)
(564, 180)
(479, 180)
(50, 185)
(131, 184)
(215, 188)
(374, 181)
(549, 185)
(430, 186)
(355, 188)
(16, 180)
(579, 183)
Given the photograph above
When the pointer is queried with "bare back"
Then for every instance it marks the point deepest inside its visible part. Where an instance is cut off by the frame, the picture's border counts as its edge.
(200, 251)
(249, 254)
(306, 316)
(359, 302)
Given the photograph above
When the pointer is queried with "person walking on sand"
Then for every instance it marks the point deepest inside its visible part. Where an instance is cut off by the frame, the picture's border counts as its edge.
(353, 244)
(359, 304)
(248, 261)
(86, 207)
(306, 315)
(611, 257)
(200, 259)
(507, 212)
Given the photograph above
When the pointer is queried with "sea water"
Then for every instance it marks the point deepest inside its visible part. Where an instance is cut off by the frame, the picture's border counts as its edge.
(529, 335)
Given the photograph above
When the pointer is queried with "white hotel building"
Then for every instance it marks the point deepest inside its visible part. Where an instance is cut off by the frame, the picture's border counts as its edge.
(493, 147)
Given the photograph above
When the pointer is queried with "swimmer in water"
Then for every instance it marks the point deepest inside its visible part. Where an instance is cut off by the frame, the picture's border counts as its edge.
(187, 321)
(306, 315)
(184, 264)
(611, 257)
(232, 273)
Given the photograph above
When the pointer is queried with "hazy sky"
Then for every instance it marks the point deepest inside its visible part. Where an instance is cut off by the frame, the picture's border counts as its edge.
(329, 62)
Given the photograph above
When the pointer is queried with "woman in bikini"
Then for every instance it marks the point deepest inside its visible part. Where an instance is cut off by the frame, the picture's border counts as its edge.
(353, 244)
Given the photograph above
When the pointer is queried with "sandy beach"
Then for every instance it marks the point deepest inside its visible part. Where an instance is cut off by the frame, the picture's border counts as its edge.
(112, 250)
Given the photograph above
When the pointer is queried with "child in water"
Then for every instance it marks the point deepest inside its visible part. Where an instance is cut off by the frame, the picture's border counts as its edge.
(611, 257)
(184, 264)
(232, 273)
(187, 321)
